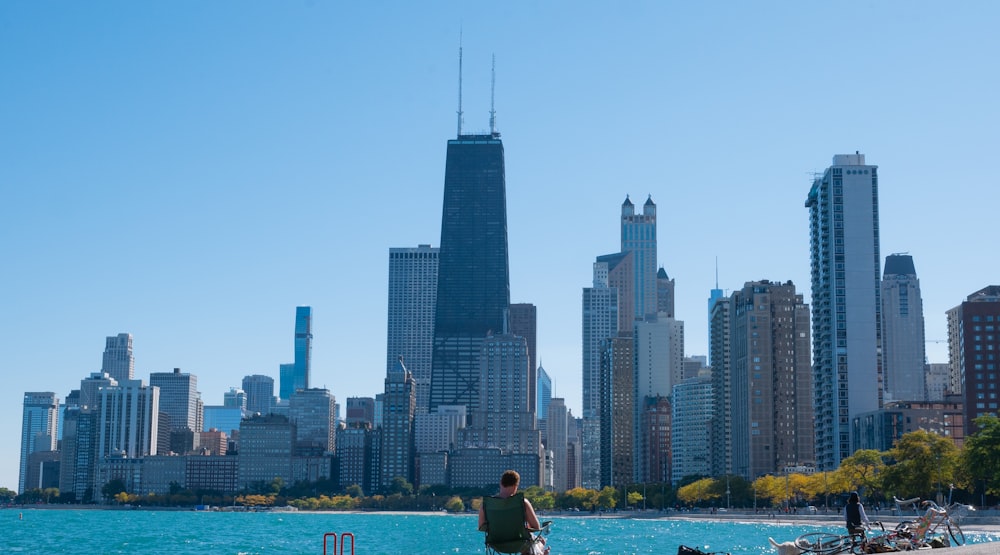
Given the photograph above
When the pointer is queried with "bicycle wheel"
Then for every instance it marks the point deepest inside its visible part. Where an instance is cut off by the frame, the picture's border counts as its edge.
(822, 543)
(956, 533)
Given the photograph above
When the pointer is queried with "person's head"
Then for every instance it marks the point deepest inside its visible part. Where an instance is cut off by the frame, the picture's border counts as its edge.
(854, 498)
(510, 479)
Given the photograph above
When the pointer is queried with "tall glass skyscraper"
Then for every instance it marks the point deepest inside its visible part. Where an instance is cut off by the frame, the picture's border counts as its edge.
(473, 292)
(38, 429)
(846, 301)
(295, 376)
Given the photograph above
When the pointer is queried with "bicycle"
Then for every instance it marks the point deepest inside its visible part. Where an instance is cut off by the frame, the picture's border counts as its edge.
(825, 543)
(930, 523)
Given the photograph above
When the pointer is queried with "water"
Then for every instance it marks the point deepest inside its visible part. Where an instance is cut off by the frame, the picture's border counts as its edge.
(188, 532)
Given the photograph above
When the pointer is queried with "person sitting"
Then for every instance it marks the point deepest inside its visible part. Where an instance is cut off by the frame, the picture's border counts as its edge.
(513, 536)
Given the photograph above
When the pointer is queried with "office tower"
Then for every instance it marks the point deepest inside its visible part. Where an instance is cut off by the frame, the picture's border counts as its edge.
(266, 448)
(770, 369)
(638, 236)
(260, 393)
(295, 376)
(903, 352)
(846, 301)
(286, 382)
(90, 389)
(413, 282)
(127, 421)
(78, 454)
(312, 412)
(544, 397)
(39, 423)
(523, 322)
(118, 360)
(690, 440)
(399, 404)
(713, 296)
(617, 416)
(973, 344)
(235, 398)
(723, 407)
(557, 428)
(602, 319)
(179, 398)
(664, 293)
(937, 378)
(361, 410)
(659, 363)
(473, 278)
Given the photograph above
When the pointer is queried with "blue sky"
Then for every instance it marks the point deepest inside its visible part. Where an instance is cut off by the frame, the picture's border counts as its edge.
(189, 172)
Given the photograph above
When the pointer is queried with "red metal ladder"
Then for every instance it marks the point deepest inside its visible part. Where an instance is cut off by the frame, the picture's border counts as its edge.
(343, 540)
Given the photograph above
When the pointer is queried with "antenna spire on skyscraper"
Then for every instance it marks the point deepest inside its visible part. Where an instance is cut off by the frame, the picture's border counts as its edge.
(493, 87)
(460, 83)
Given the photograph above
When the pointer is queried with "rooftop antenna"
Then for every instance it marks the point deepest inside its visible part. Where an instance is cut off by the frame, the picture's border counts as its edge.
(493, 87)
(460, 82)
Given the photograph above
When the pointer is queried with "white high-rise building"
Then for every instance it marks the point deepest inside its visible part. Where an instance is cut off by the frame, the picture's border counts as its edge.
(39, 424)
(846, 301)
(690, 439)
(119, 363)
(903, 349)
(438, 430)
(127, 424)
(600, 321)
(413, 279)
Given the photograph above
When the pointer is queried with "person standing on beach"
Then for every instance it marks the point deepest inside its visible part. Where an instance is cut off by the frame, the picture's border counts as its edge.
(854, 514)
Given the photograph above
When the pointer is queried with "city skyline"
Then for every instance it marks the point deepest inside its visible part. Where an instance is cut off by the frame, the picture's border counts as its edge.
(188, 175)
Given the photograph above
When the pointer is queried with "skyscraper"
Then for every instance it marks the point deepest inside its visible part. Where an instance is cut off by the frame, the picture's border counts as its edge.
(473, 278)
(638, 235)
(128, 421)
(617, 415)
(260, 393)
(723, 405)
(690, 436)
(180, 400)
(39, 423)
(972, 343)
(413, 282)
(846, 301)
(523, 322)
(303, 347)
(903, 348)
(312, 412)
(118, 360)
(398, 409)
(771, 374)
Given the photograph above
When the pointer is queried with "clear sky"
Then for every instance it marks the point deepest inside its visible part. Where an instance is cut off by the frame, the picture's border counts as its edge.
(189, 172)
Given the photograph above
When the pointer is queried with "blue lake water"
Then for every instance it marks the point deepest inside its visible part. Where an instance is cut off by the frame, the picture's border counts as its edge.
(184, 532)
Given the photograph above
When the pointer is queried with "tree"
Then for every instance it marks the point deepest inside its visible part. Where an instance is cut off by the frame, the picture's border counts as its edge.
(401, 486)
(354, 490)
(578, 498)
(922, 463)
(980, 457)
(6, 495)
(864, 471)
(454, 505)
(607, 498)
(113, 488)
(634, 498)
(704, 489)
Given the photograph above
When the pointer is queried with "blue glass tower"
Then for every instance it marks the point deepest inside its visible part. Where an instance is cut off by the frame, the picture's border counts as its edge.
(295, 376)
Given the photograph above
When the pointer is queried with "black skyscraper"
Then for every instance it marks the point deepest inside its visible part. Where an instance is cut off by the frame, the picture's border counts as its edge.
(473, 283)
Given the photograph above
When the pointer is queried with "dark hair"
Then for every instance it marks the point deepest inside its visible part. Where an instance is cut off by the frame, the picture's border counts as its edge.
(854, 498)
(510, 478)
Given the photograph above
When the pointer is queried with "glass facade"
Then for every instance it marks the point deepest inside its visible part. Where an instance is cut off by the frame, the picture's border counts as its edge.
(473, 279)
